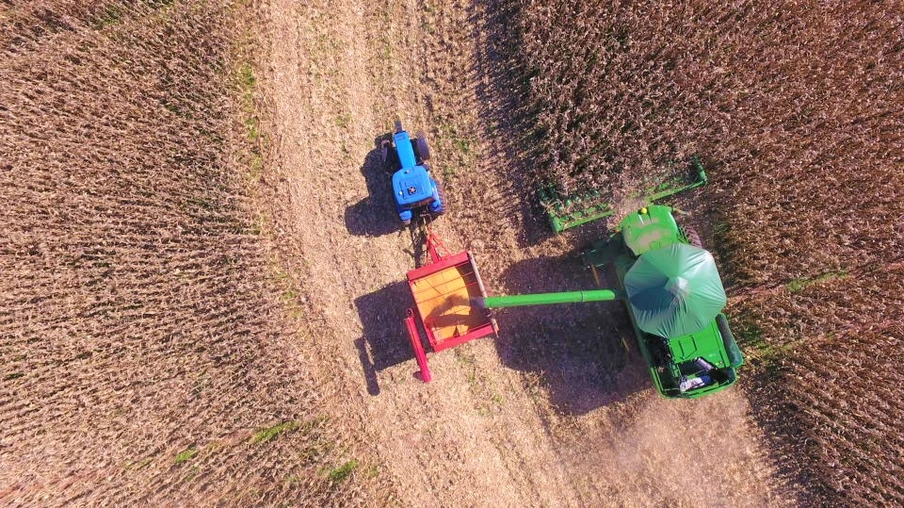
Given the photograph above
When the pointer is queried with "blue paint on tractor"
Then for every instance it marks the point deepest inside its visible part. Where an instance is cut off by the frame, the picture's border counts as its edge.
(402, 142)
(412, 185)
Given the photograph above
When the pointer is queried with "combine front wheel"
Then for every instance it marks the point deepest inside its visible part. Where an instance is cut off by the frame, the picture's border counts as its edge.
(693, 237)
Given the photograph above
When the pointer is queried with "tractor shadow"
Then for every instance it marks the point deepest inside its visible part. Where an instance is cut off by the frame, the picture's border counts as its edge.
(584, 354)
(375, 215)
(385, 342)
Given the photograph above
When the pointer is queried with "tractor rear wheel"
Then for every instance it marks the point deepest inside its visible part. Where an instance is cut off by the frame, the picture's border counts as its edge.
(421, 148)
(442, 199)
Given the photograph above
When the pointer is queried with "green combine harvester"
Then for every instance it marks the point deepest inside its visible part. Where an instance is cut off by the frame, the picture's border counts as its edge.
(674, 296)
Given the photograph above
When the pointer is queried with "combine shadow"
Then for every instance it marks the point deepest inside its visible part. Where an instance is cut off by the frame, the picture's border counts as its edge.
(385, 342)
(578, 351)
(585, 354)
(374, 215)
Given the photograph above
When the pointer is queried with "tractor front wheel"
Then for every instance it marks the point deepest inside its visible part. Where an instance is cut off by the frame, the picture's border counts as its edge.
(385, 147)
(390, 158)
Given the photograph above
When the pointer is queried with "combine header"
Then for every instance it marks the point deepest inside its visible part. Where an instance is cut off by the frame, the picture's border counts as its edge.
(569, 211)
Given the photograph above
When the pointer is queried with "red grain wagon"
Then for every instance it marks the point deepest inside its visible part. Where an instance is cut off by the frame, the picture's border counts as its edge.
(442, 292)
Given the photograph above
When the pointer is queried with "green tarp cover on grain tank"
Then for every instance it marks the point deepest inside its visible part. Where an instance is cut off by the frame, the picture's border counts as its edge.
(674, 290)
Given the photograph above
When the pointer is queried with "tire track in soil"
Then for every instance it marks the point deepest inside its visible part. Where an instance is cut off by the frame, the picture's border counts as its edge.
(497, 426)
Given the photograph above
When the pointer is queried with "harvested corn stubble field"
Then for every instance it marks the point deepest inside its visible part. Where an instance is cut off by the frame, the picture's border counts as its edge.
(203, 274)
(146, 353)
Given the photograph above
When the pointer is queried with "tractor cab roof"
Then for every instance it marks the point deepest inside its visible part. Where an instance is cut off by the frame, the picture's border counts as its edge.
(412, 186)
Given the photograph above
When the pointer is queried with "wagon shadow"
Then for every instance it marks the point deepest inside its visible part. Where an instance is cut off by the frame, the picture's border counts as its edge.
(384, 343)
(374, 215)
(584, 354)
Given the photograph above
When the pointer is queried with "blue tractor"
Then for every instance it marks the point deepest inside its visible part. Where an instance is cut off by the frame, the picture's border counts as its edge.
(414, 189)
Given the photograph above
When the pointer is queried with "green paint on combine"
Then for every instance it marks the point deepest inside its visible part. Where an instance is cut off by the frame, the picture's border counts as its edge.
(496, 302)
(568, 211)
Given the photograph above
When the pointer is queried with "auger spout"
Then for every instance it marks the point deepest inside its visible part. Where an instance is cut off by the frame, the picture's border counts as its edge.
(495, 302)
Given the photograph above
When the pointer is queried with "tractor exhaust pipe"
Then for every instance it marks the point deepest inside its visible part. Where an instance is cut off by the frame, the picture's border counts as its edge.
(495, 302)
